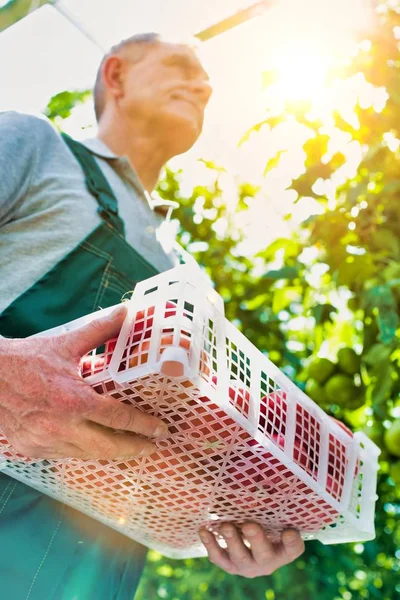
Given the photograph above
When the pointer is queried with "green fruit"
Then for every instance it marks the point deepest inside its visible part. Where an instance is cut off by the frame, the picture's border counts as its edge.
(340, 389)
(357, 400)
(395, 472)
(392, 438)
(321, 369)
(349, 361)
(316, 392)
(384, 457)
(374, 432)
(353, 304)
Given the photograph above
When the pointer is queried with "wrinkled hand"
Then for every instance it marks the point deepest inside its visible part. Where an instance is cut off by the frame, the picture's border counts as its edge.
(262, 558)
(48, 411)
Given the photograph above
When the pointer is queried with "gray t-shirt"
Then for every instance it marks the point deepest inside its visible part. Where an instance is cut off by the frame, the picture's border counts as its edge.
(46, 209)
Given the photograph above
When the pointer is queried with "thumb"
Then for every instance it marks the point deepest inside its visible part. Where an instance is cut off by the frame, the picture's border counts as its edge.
(96, 333)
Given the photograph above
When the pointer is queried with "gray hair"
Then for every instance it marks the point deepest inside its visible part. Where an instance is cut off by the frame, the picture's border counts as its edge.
(140, 41)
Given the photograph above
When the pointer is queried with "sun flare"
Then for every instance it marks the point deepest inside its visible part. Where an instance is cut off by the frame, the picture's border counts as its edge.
(301, 75)
(318, 38)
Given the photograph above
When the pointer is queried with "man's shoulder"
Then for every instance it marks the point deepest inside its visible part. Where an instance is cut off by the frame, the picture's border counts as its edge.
(27, 126)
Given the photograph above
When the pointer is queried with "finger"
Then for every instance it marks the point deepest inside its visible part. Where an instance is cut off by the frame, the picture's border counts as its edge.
(293, 545)
(216, 554)
(262, 549)
(117, 415)
(239, 554)
(68, 451)
(92, 335)
(65, 451)
(98, 443)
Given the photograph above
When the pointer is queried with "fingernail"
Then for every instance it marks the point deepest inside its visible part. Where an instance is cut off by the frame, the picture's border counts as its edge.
(115, 313)
(160, 431)
(251, 530)
(227, 532)
(147, 450)
(290, 537)
(204, 536)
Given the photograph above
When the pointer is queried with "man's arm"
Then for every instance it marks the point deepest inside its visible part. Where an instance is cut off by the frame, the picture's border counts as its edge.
(18, 154)
(17, 160)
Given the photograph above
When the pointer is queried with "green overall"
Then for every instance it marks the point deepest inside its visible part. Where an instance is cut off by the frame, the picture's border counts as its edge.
(48, 551)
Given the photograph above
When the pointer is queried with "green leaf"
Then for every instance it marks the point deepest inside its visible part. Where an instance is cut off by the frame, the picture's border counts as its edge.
(283, 297)
(322, 313)
(355, 270)
(388, 322)
(337, 161)
(303, 185)
(341, 123)
(273, 162)
(256, 302)
(291, 249)
(316, 169)
(211, 165)
(385, 239)
(381, 297)
(381, 390)
(271, 121)
(316, 148)
(377, 354)
(391, 273)
(284, 273)
(62, 104)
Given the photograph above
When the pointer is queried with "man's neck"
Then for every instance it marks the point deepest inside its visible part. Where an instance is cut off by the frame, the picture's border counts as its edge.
(144, 152)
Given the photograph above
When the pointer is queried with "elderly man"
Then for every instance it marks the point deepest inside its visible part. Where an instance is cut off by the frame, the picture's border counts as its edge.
(67, 247)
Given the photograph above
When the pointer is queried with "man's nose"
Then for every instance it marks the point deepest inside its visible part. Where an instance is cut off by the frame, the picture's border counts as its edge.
(202, 88)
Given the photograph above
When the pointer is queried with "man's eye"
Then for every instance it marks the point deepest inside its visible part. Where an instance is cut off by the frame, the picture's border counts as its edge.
(183, 66)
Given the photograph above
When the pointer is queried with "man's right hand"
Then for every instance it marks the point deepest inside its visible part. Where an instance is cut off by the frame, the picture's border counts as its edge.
(48, 411)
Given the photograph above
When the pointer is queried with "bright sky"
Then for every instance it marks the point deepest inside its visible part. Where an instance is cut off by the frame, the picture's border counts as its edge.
(44, 54)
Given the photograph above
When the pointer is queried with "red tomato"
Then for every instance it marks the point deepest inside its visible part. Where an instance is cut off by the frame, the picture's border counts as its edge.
(240, 397)
(144, 321)
(142, 330)
(273, 411)
(139, 353)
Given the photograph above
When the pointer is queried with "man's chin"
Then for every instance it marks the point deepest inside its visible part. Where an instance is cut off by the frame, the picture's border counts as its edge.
(183, 133)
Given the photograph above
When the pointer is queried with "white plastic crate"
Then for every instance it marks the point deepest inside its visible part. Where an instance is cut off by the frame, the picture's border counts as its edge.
(244, 443)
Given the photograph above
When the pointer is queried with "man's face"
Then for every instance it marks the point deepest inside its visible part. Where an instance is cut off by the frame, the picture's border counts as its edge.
(170, 89)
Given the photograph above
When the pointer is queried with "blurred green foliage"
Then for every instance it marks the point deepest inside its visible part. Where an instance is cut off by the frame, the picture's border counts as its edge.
(334, 284)
(15, 10)
(61, 105)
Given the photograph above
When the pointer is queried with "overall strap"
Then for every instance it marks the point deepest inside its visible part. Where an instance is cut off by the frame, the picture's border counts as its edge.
(97, 184)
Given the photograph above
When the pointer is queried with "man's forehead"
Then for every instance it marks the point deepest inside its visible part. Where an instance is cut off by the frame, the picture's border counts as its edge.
(167, 52)
(171, 49)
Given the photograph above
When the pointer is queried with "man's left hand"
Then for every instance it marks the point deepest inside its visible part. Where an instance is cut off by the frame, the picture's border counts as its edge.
(262, 558)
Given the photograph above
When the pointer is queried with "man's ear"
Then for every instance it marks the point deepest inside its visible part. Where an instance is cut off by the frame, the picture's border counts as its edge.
(112, 74)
